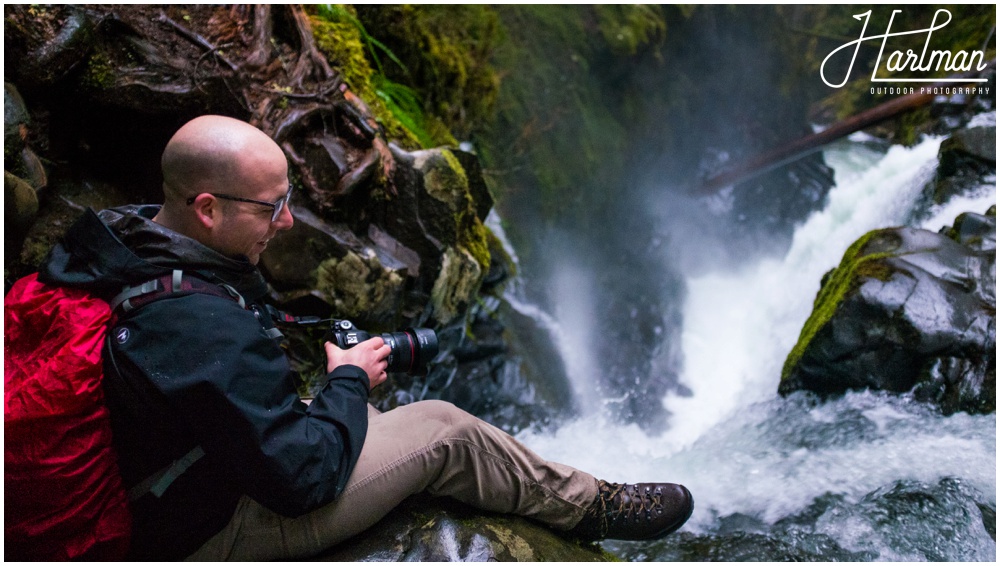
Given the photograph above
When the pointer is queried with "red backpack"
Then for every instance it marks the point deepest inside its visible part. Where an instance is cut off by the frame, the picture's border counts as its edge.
(64, 498)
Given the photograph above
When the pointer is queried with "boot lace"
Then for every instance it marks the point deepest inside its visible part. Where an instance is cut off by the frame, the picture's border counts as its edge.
(620, 503)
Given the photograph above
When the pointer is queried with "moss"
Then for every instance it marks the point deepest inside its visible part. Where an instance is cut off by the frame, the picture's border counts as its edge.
(445, 54)
(855, 267)
(911, 125)
(627, 28)
(99, 73)
(456, 284)
(562, 124)
(446, 181)
(472, 234)
(518, 548)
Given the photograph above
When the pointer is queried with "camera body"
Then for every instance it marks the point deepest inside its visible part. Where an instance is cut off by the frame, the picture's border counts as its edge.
(410, 350)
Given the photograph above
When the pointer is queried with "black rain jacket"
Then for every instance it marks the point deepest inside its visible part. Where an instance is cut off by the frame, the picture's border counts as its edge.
(195, 369)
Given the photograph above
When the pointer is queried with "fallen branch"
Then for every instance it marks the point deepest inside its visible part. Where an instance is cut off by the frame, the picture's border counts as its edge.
(802, 147)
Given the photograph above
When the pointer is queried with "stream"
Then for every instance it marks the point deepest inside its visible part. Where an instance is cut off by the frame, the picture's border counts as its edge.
(881, 476)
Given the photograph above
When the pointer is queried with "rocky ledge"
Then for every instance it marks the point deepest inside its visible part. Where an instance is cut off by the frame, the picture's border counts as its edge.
(424, 529)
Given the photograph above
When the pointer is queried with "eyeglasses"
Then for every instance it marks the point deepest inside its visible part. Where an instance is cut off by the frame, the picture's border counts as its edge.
(277, 205)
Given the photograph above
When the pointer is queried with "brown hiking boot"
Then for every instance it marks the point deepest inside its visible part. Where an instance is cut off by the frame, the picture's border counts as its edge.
(638, 511)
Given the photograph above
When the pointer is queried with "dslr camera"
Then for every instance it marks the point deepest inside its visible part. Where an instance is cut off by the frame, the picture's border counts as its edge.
(410, 350)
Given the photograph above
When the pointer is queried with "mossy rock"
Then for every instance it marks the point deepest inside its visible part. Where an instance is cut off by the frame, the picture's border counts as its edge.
(15, 121)
(439, 530)
(457, 284)
(906, 310)
(446, 181)
(360, 286)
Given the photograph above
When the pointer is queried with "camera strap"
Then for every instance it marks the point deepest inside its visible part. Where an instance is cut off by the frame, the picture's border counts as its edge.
(283, 318)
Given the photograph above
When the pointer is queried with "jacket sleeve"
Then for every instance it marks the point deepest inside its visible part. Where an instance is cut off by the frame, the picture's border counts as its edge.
(231, 387)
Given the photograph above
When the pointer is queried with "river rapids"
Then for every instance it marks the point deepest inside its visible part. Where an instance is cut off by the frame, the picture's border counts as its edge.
(880, 476)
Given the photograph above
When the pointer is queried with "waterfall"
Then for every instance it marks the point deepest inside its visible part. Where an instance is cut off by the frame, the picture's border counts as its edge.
(743, 450)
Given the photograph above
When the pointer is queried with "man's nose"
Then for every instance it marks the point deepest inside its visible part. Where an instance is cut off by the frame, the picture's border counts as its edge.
(285, 220)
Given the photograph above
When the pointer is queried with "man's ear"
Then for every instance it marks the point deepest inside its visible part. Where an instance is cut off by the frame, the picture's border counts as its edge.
(206, 210)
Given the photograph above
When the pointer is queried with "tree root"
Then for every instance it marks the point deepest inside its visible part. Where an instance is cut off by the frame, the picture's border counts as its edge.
(261, 60)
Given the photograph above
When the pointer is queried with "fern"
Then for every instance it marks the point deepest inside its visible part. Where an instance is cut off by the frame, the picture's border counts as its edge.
(401, 100)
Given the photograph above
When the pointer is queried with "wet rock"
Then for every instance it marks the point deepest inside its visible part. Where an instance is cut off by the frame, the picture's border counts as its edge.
(18, 157)
(438, 530)
(15, 123)
(738, 547)
(989, 518)
(978, 231)
(978, 143)
(966, 160)
(903, 521)
(426, 259)
(456, 284)
(907, 309)
(20, 205)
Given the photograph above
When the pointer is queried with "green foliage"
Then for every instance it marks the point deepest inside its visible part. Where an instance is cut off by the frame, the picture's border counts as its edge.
(335, 13)
(406, 106)
(345, 41)
(445, 55)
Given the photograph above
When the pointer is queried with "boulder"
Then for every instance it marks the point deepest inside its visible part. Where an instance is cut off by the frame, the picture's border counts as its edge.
(20, 205)
(15, 123)
(907, 309)
(360, 277)
(439, 530)
(966, 160)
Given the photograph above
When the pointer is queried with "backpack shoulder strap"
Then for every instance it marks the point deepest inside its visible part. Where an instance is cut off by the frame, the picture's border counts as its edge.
(158, 482)
(135, 296)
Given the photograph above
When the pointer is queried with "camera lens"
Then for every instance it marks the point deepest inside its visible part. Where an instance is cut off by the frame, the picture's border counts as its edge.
(411, 350)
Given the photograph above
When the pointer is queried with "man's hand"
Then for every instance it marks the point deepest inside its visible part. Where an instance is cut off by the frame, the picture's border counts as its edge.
(369, 355)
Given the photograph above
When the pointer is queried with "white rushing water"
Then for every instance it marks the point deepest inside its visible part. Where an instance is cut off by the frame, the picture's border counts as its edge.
(742, 449)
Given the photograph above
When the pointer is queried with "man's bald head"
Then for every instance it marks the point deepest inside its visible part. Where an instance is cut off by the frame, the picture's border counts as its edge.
(216, 153)
(212, 167)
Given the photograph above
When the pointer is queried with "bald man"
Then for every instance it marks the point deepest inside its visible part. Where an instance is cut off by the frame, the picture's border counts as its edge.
(222, 459)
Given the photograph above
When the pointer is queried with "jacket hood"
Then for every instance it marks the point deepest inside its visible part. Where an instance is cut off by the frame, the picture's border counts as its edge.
(102, 252)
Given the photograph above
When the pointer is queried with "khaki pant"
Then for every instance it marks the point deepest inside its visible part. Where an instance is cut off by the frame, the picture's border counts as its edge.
(429, 446)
